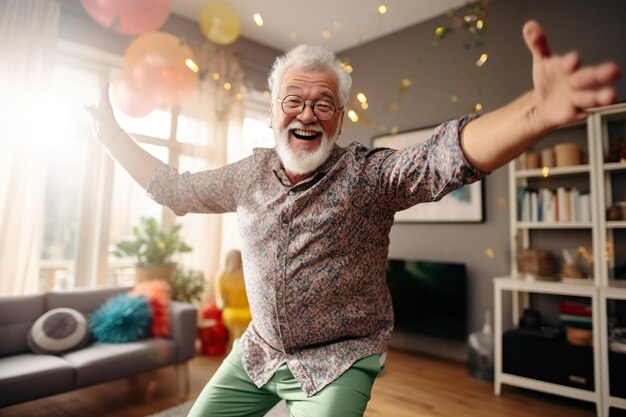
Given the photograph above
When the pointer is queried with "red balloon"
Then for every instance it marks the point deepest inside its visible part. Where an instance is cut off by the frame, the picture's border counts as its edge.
(133, 98)
(133, 17)
(163, 62)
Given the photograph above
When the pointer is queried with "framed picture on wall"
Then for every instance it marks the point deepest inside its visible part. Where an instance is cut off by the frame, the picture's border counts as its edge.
(464, 205)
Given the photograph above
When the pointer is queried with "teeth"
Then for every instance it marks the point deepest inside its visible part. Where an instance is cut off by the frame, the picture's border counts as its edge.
(305, 132)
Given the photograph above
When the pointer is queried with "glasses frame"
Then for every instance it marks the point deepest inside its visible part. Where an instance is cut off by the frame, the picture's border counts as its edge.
(304, 103)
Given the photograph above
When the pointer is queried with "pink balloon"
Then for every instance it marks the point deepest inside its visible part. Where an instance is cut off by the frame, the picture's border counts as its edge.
(133, 17)
(104, 12)
(165, 63)
(134, 99)
(143, 16)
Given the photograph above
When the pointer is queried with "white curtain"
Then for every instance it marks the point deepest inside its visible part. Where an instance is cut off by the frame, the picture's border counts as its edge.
(212, 117)
(28, 33)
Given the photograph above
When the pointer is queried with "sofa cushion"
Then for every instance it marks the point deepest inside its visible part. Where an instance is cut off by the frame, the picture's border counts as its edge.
(158, 294)
(17, 315)
(121, 319)
(58, 331)
(102, 362)
(29, 376)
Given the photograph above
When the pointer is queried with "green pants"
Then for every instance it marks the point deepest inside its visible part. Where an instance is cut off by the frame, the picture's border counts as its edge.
(231, 393)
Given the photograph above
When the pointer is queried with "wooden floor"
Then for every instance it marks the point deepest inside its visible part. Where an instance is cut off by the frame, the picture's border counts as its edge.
(412, 385)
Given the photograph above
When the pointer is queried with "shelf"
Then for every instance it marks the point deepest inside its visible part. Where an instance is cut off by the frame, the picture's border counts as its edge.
(552, 171)
(615, 166)
(616, 224)
(550, 388)
(615, 290)
(556, 225)
(586, 289)
(617, 402)
(603, 182)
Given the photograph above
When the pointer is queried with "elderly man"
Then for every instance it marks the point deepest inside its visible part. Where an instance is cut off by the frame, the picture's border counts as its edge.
(315, 219)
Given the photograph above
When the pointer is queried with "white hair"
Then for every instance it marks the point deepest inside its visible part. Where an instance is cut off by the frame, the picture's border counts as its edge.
(310, 58)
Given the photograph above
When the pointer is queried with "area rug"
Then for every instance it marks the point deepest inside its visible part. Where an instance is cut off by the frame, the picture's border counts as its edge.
(181, 410)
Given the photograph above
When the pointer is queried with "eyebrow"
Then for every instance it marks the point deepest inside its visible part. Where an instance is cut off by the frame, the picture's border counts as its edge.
(323, 94)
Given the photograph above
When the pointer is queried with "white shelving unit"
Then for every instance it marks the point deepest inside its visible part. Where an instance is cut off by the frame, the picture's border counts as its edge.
(604, 240)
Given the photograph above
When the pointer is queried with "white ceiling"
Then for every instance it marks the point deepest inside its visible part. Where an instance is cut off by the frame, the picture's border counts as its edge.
(349, 22)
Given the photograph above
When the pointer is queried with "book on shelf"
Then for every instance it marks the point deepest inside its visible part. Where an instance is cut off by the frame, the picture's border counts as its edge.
(550, 206)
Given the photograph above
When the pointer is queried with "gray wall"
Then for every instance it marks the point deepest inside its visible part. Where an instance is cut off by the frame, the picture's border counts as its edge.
(595, 28)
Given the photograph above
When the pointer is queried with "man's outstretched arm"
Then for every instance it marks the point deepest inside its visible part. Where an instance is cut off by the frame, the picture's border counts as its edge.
(135, 160)
(562, 92)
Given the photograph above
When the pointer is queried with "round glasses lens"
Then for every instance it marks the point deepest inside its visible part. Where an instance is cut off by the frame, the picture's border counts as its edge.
(324, 110)
(293, 105)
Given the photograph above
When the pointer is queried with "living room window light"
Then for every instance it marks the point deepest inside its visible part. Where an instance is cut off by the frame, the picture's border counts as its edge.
(89, 203)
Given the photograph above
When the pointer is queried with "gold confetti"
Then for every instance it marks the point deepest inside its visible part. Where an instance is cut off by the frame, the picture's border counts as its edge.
(192, 65)
(481, 61)
(440, 32)
(405, 85)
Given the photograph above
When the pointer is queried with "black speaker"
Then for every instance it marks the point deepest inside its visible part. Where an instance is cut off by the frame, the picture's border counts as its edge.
(547, 359)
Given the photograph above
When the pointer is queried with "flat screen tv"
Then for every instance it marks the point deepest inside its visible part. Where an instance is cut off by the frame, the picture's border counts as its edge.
(429, 298)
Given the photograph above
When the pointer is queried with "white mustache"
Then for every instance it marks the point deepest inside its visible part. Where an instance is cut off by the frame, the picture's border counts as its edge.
(299, 125)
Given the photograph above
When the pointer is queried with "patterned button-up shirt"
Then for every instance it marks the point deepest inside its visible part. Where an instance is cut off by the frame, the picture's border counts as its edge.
(315, 253)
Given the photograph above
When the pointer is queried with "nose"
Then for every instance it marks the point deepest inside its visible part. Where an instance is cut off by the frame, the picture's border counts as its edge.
(307, 116)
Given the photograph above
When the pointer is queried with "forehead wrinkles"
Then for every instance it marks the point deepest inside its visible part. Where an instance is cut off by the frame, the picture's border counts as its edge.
(311, 82)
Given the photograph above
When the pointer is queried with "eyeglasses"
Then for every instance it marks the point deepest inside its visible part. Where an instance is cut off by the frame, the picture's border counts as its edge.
(293, 105)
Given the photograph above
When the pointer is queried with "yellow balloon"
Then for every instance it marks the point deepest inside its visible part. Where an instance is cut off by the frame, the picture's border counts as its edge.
(219, 23)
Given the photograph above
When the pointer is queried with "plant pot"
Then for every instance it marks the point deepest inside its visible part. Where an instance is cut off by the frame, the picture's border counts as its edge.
(145, 273)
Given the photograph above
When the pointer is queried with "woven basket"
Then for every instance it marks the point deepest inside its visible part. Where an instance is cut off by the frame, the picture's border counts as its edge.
(539, 263)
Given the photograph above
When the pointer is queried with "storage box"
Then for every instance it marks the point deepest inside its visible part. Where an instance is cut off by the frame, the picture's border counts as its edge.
(567, 154)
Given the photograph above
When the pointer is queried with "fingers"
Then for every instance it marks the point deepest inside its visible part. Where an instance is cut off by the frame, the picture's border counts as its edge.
(536, 40)
(594, 98)
(597, 75)
(571, 62)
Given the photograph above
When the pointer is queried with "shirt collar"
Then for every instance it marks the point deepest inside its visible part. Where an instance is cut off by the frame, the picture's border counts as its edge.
(279, 171)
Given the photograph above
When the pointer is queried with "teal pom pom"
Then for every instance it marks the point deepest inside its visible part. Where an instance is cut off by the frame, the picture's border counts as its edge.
(121, 319)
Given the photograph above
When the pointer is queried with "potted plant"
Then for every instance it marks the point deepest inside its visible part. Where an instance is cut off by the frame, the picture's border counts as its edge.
(187, 285)
(153, 248)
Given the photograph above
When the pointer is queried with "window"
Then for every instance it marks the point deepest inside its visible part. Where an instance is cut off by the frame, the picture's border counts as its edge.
(91, 202)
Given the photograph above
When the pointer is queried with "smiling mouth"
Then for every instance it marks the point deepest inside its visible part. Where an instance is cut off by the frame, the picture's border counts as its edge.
(305, 134)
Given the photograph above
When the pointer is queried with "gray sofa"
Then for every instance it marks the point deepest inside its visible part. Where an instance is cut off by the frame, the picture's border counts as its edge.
(25, 375)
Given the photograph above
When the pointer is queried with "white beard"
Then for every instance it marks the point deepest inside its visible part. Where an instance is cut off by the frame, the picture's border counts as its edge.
(302, 162)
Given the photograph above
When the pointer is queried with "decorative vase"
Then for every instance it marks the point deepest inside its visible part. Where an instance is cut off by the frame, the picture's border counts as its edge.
(154, 272)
